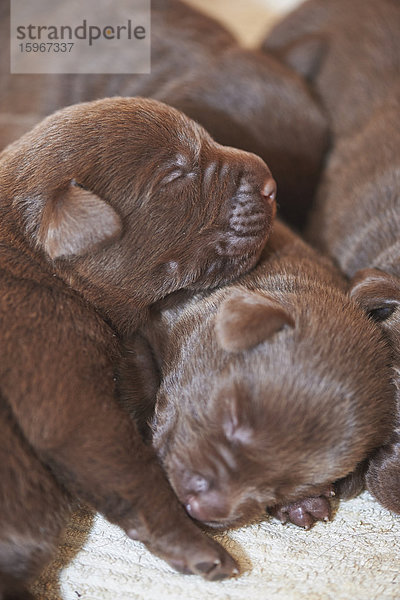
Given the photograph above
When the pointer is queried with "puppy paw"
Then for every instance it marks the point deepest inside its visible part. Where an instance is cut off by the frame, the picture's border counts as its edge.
(304, 513)
(212, 563)
(197, 555)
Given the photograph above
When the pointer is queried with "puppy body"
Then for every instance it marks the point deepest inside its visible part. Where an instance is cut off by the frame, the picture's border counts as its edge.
(271, 387)
(105, 207)
(243, 98)
(357, 215)
(349, 51)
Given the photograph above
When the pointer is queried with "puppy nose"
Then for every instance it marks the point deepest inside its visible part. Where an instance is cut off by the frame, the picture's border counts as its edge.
(196, 510)
(268, 191)
(202, 510)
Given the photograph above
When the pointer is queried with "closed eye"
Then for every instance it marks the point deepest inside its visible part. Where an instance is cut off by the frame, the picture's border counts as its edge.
(173, 176)
(176, 173)
(382, 312)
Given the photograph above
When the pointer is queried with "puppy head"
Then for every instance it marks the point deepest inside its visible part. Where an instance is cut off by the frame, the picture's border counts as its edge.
(285, 394)
(134, 198)
(378, 293)
(251, 101)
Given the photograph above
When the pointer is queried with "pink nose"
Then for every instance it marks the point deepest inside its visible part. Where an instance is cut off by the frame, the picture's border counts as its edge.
(268, 191)
(196, 510)
(204, 511)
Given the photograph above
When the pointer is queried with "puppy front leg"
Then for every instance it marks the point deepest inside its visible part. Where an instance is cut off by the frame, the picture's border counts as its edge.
(66, 408)
(383, 474)
(120, 476)
(34, 511)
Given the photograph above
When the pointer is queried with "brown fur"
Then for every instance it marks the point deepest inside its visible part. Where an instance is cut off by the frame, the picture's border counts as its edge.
(357, 216)
(243, 98)
(248, 417)
(105, 208)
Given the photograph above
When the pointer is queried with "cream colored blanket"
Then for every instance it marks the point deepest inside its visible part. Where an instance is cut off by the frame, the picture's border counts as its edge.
(354, 557)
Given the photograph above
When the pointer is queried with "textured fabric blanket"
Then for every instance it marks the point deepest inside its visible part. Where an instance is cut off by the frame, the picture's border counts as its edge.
(354, 557)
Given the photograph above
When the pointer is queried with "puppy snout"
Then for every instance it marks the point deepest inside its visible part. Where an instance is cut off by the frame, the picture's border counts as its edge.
(251, 212)
(243, 223)
(195, 509)
(251, 207)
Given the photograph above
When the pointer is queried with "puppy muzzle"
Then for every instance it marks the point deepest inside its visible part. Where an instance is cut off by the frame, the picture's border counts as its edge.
(251, 212)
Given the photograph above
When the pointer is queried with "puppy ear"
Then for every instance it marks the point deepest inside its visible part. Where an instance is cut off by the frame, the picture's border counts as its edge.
(378, 293)
(305, 55)
(245, 319)
(77, 221)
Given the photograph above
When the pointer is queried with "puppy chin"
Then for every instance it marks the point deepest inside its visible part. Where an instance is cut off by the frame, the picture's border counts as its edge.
(232, 257)
(233, 246)
(224, 269)
(245, 515)
(234, 523)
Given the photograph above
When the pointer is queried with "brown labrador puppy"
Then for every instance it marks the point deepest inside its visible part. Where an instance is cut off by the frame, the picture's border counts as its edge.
(355, 49)
(243, 98)
(271, 389)
(105, 208)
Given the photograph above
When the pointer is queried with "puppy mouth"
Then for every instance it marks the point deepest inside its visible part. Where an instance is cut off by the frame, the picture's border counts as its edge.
(229, 522)
(236, 245)
(216, 524)
(239, 519)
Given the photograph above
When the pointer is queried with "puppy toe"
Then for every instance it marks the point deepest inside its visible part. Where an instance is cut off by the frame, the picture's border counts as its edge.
(298, 515)
(329, 491)
(304, 513)
(181, 567)
(219, 565)
(211, 561)
(318, 507)
(279, 512)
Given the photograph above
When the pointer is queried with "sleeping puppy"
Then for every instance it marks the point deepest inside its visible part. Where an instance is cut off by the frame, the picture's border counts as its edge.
(355, 49)
(271, 389)
(105, 208)
(347, 51)
(243, 98)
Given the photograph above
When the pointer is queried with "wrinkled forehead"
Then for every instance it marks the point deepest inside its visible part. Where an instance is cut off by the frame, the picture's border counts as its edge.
(192, 140)
(170, 131)
(144, 128)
